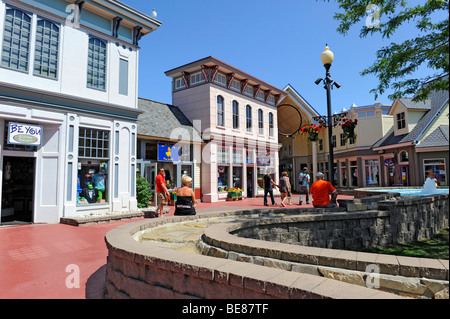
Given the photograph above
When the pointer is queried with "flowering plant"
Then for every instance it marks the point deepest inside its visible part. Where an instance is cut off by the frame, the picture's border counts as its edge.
(312, 130)
(348, 127)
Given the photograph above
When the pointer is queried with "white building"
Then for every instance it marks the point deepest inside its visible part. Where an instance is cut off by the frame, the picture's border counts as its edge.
(237, 116)
(68, 74)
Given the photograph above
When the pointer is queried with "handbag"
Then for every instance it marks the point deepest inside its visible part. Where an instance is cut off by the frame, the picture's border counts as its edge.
(303, 189)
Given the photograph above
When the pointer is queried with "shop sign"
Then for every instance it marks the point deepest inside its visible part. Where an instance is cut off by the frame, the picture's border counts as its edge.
(24, 134)
(263, 161)
(389, 162)
(168, 152)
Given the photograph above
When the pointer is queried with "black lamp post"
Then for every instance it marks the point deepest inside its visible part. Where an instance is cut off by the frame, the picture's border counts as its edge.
(330, 120)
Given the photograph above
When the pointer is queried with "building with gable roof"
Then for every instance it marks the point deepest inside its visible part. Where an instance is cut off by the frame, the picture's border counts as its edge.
(237, 116)
(68, 107)
(418, 141)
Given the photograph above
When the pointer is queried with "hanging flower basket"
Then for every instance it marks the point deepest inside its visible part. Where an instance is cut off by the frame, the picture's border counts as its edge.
(348, 127)
(312, 130)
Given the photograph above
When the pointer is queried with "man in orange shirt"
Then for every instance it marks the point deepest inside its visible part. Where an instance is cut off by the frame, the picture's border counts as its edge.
(161, 191)
(321, 190)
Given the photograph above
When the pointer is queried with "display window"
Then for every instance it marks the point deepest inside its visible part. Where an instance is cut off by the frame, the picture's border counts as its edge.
(437, 166)
(171, 175)
(92, 182)
(237, 177)
(372, 173)
(222, 182)
(93, 168)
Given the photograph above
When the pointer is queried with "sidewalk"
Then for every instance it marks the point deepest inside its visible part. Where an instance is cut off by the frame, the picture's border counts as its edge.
(36, 261)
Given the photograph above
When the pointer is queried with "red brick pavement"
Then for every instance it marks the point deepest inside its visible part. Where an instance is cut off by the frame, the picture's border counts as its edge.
(43, 261)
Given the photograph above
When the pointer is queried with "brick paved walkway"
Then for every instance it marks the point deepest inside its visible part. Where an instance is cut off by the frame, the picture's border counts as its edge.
(42, 261)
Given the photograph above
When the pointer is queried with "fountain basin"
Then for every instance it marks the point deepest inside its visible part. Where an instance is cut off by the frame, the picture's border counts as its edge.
(138, 270)
(399, 191)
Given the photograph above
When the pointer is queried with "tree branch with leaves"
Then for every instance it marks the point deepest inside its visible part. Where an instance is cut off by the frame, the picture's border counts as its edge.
(396, 64)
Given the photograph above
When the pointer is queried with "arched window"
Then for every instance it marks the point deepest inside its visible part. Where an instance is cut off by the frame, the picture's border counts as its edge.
(249, 118)
(271, 127)
(46, 52)
(260, 122)
(235, 115)
(16, 40)
(97, 57)
(404, 157)
(220, 111)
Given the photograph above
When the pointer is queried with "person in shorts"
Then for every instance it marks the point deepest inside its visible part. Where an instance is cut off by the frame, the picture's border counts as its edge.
(161, 192)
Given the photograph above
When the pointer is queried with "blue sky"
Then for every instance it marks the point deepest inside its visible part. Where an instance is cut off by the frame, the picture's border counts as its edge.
(277, 41)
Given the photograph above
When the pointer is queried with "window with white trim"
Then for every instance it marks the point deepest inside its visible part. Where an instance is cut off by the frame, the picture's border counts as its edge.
(221, 79)
(248, 113)
(220, 111)
(236, 85)
(249, 90)
(401, 121)
(260, 122)
(97, 59)
(197, 78)
(271, 124)
(46, 49)
(179, 84)
(235, 115)
(16, 39)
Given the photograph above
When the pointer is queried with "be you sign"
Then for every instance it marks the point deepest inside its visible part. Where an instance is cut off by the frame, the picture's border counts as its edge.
(24, 134)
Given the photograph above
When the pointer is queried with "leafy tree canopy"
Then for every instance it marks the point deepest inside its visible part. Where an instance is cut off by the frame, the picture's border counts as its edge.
(396, 64)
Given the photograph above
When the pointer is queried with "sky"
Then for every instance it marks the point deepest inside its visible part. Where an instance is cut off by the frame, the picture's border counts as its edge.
(277, 41)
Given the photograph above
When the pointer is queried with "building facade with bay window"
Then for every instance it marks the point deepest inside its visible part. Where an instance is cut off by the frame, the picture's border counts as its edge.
(68, 107)
(236, 114)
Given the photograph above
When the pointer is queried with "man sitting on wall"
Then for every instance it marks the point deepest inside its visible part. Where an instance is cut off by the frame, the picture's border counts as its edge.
(321, 190)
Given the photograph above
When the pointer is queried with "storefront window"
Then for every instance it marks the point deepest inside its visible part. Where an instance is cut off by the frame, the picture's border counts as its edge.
(438, 168)
(354, 173)
(237, 177)
(372, 173)
(93, 154)
(222, 183)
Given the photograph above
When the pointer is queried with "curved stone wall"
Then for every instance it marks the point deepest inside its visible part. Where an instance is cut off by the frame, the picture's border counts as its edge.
(137, 270)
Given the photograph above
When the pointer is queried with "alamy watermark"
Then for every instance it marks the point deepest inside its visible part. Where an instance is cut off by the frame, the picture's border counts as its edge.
(373, 277)
(373, 19)
(73, 280)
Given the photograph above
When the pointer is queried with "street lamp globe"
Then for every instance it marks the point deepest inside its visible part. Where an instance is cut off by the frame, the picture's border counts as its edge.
(327, 56)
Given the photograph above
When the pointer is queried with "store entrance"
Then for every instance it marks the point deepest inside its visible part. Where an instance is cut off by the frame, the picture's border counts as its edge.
(17, 190)
(250, 182)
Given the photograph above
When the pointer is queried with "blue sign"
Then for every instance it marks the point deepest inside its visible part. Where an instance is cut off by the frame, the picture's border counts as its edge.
(263, 161)
(168, 152)
(389, 162)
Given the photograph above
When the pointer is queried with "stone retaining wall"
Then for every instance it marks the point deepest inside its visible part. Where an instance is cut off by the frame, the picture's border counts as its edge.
(400, 221)
(137, 270)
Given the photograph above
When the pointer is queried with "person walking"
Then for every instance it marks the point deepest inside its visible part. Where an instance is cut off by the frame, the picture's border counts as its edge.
(284, 187)
(161, 192)
(186, 201)
(321, 190)
(268, 188)
(304, 180)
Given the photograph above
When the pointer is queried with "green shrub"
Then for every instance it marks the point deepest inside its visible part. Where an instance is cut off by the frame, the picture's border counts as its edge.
(143, 193)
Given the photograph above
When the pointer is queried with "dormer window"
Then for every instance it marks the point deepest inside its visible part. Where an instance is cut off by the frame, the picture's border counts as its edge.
(401, 122)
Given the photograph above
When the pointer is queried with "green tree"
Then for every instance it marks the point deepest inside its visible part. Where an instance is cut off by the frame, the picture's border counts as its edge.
(396, 64)
(143, 194)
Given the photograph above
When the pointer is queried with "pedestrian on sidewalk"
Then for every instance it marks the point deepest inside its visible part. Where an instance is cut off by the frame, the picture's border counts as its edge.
(321, 190)
(284, 187)
(268, 188)
(304, 180)
(161, 192)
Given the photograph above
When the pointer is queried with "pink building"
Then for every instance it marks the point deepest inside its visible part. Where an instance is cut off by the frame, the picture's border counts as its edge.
(237, 116)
